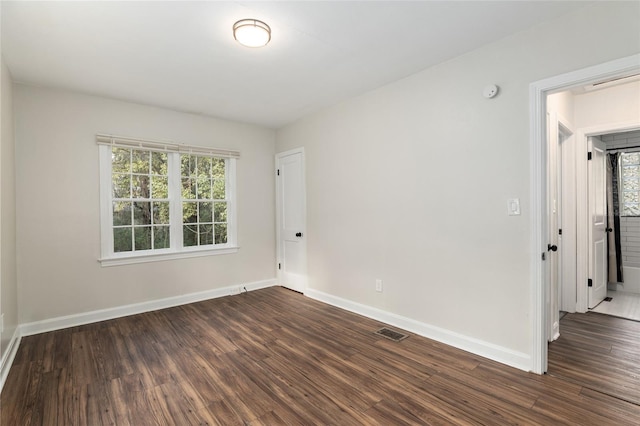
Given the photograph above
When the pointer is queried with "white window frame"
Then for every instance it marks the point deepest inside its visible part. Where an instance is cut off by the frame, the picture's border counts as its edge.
(176, 250)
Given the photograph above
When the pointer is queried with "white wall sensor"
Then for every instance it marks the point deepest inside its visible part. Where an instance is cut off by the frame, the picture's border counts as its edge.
(490, 91)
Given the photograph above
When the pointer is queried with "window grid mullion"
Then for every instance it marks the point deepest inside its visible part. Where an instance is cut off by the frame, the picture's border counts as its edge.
(175, 201)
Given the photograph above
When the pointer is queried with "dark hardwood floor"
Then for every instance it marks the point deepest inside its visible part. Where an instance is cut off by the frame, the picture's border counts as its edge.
(600, 352)
(276, 357)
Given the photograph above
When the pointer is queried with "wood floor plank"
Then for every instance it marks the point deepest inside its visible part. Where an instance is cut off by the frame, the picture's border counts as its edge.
(598, 352)
(274, 357)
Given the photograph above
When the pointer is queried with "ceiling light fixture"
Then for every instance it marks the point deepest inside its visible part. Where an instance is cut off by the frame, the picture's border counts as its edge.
(251, 33)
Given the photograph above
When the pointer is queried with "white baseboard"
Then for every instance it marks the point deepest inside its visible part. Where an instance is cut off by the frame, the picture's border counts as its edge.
(59, 323)
(479, 347)
(8, 356)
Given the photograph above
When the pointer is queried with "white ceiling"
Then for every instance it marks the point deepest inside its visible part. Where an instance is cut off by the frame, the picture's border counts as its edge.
(182, 55)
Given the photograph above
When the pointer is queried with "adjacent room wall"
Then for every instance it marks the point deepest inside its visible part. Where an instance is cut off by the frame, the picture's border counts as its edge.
(58, 223)
(8, 275)
(611, 106)
(409, 183)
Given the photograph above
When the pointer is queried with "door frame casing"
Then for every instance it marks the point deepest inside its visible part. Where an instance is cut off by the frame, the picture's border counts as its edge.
(538, 194)
(279, 259)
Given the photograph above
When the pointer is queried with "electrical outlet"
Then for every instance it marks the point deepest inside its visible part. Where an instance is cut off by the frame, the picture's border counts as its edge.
(379, 286)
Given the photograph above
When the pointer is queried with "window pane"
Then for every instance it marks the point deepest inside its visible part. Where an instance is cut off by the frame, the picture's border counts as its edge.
(121, 239)
(188, 188)
(630, 197)
(141, 209)
(160, 237)
(204, 188)
(121, 213)
(218, 189)
(205, 214)
(220, 233)
(220, 212)
(631, 210)
(140, 186)
(188, 165)
(140, 161)
(631, 158)
(159, 163)
(630, 184)
(217, 168)
(159, 187)
(190, 235)
(120, 160)
(121, 185)
(142, 237)
(630, 171)
(204, 166)
(161, 213)
(189, 212)
(206, 234)
(142, 213)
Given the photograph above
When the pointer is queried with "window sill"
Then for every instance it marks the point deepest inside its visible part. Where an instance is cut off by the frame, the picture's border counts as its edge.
(159, 257)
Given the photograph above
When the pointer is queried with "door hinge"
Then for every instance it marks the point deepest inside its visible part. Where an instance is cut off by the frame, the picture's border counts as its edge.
(278, 172)
(279, 266)
(589, 155)
(589, 282)
(559, 231)
(544, 256)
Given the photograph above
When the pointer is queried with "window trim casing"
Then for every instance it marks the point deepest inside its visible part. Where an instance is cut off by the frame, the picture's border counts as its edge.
(177, 251)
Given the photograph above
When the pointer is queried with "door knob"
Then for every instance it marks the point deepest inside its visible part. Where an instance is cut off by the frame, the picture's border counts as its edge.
(552, 247)
(609, 230)
(298, 234)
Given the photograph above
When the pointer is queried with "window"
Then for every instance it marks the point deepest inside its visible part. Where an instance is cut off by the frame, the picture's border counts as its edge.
(164, 201)
(630, 188)
(140, 200)
(204, 205)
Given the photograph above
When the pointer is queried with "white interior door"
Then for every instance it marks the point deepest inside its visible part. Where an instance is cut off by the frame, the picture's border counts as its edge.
(597, 172)
(291, 218)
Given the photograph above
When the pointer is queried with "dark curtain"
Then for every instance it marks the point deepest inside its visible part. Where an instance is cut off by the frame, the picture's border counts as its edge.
(613, 213)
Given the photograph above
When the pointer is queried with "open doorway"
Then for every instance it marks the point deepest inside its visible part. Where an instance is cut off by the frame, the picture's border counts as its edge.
(586, 131)
(542, 295)
(623, 158)
(584, 153)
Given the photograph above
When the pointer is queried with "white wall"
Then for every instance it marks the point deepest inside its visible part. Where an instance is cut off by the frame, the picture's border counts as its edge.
(8, 275)
(409, 183)
(58, 204)
(617, 104)
(626, 139)
(630, 242)
(560, 106)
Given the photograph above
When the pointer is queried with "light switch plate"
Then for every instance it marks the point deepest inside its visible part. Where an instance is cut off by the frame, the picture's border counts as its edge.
(513, 206)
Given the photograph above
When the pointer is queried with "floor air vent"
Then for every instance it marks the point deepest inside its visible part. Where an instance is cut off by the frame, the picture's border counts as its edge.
(390, 334)
(608, 299)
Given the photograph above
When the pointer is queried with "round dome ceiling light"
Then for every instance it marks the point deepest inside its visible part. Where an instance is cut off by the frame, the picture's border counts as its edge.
(251, 33)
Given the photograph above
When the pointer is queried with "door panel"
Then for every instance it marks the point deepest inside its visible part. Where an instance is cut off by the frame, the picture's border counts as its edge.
(291, 215)
(598, 220)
